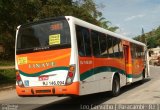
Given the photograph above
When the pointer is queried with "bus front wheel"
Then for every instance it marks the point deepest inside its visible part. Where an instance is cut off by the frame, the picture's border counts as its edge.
(115, 86)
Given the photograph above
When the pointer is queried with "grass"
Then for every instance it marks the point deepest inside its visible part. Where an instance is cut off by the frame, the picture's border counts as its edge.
(7, 76)
(6, 63)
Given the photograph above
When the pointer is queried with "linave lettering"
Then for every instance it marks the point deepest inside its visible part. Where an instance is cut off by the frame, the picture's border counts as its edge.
(42, 65)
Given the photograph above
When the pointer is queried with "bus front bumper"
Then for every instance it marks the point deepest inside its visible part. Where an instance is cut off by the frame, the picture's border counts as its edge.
(72, 89)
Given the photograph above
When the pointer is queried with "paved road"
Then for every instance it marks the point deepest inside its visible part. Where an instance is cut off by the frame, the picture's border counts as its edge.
(147, 92)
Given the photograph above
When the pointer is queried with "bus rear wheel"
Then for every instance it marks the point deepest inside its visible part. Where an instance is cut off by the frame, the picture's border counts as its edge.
(115, 86)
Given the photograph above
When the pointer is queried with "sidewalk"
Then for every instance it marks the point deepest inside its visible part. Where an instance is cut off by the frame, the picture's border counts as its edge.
(6, 67)
(7, 87)
(154, 66)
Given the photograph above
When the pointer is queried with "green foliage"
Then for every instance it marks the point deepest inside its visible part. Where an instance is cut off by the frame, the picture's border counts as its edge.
(13, 13)
(7, 76)
(6, 63)
(106, 24)
(8, 42)
(83, 9)
(16, 12)
(151, 38)
(152, 42)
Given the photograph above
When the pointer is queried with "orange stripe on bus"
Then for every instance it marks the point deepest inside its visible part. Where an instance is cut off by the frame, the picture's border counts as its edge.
(57, 58)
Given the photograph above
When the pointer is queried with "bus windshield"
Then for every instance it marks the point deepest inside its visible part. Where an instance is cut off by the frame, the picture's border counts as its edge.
(43, 35)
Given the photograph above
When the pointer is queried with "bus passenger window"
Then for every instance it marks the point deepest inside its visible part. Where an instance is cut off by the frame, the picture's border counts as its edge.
(103, 45)
(117, 47)
(83, 41)
(95, 43)
(120, 49)
(133, 51)
(109, 46)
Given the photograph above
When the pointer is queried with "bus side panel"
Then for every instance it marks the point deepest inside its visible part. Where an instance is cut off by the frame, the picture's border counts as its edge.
(138, 68)
(138, 62)
(98, 77)
(87, 80)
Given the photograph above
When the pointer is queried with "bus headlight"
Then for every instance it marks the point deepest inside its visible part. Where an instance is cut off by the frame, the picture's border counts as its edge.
(19, 80)
(20, 83)
(68, 81)
(71, 73)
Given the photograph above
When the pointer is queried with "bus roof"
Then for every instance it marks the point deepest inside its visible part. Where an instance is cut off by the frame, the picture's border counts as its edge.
(87, 25)
(100, 29)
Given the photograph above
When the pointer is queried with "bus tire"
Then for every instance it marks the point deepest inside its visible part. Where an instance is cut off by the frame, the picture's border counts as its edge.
(115, 86)
(143, 74)
(73, 96)
(143, 77)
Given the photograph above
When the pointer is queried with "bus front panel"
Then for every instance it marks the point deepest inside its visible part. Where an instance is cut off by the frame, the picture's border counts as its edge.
(43, 53)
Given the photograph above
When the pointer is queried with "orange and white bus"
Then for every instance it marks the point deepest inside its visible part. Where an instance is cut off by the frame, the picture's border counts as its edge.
(68, 56)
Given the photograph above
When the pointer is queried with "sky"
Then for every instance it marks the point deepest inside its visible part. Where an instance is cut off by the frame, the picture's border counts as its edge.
(131, 15)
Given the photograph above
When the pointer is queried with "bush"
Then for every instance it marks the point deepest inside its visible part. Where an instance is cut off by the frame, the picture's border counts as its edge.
(8, 42)
(7, 62)
(7, 76)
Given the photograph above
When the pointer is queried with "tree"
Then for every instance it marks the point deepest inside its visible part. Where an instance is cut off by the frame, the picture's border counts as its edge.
(106, 24)
(152, 38)
(13, 13)
(151, 42)
(83, 9)
(16, 12)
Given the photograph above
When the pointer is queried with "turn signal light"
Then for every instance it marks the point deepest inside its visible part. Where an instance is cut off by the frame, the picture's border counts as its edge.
(71, 73)
(18, 77)
(19, 80)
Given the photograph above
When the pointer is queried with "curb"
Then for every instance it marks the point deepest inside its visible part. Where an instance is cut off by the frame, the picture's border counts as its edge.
(7, 67)
(9, 87)
(154, 66)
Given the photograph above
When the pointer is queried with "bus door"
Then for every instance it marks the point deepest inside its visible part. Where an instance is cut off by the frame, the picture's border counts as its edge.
(128, 64)
(126, 56)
